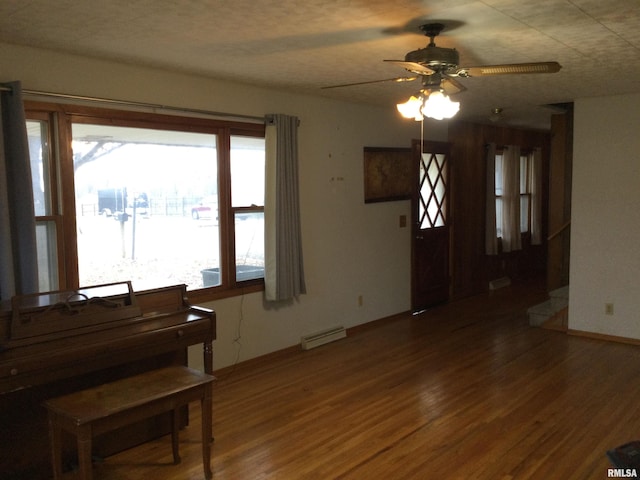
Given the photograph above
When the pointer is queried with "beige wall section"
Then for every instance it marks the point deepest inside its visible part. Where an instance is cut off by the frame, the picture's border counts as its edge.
(605, 225)
(350, 249)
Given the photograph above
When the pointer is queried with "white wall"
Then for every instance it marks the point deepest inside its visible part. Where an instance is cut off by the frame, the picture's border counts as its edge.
(350, 248)
(605, 224)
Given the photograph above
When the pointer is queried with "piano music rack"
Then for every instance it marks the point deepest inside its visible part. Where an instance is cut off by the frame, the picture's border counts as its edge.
(54, 314)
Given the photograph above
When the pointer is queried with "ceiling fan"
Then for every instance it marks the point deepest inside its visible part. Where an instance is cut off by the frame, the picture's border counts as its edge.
(438, 67)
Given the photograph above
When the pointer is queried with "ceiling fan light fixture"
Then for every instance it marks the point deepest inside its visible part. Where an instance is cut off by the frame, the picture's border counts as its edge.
(429, 103)
(412, 108)
(439, 106)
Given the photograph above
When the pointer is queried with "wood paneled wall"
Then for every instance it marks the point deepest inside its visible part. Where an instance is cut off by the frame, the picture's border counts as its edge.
(472, 269)
(560, 181)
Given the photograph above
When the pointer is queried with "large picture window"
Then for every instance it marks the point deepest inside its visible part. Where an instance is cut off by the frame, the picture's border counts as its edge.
(155, 199)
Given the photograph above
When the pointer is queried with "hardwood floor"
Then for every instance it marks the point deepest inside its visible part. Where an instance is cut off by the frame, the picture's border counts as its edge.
(463, 391)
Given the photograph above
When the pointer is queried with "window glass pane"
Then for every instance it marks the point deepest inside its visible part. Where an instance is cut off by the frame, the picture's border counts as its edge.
(524, 213)
(523, 174)
(46, 246)
(40, 166)
(431, 204)
(249, 228)
(247, 171)
(147, 208)
(499, 174)
(499, 217)
(435, 206)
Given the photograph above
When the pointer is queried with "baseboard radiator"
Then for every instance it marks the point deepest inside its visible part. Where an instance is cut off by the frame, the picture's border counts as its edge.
(320, 338)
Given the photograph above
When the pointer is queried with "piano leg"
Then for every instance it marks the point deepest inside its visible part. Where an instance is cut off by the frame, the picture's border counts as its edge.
(207, 349)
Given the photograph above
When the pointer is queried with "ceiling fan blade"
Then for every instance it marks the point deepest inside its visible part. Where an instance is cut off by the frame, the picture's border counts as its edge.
(413, 67)
(508, 69)
(395, 79)
(452, 86)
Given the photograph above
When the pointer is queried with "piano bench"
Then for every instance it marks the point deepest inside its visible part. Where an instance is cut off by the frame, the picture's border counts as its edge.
(91, 412)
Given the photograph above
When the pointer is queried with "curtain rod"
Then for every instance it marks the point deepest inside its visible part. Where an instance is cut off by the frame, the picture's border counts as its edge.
(128, 103)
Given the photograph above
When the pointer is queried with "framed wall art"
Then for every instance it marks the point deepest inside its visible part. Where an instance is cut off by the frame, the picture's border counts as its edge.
(387, 174)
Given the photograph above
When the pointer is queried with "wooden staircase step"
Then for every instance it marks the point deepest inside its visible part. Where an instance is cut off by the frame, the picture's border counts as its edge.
(558, 321)
(553, 313)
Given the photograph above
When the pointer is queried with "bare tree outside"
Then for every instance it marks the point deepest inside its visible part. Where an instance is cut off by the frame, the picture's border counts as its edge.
(135, 191)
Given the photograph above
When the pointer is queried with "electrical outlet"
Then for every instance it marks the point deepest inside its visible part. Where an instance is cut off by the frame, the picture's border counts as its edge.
(360, 300)
(608, 308)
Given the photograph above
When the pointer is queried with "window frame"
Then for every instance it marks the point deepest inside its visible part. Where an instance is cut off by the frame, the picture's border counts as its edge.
(526, 155)
(54, 215)
(61, 116)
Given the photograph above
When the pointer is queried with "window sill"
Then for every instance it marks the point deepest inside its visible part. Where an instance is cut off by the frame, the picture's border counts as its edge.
(210, 294)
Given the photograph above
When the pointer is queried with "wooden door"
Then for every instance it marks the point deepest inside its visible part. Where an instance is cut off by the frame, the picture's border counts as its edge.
(430, 215)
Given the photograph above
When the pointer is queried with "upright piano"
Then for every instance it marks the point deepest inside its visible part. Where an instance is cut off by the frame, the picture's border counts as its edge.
(57, 342)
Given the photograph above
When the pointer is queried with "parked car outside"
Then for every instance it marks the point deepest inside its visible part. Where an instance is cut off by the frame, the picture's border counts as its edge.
(206, 209)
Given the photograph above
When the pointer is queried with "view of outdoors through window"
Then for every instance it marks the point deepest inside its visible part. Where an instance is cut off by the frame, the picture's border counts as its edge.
(47, 228)
(247, 192)
(148, 206)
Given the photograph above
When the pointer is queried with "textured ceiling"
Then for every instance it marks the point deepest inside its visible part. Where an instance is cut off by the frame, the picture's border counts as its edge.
(303, 45)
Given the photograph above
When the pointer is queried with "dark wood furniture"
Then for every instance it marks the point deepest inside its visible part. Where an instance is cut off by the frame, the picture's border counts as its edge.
(61, 342)
(104, 408)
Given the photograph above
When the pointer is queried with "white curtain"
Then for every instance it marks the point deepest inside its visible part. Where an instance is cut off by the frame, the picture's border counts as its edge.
(18, 253)
(284, 272)
(511, 199)
(491, 236)
(535, 175)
